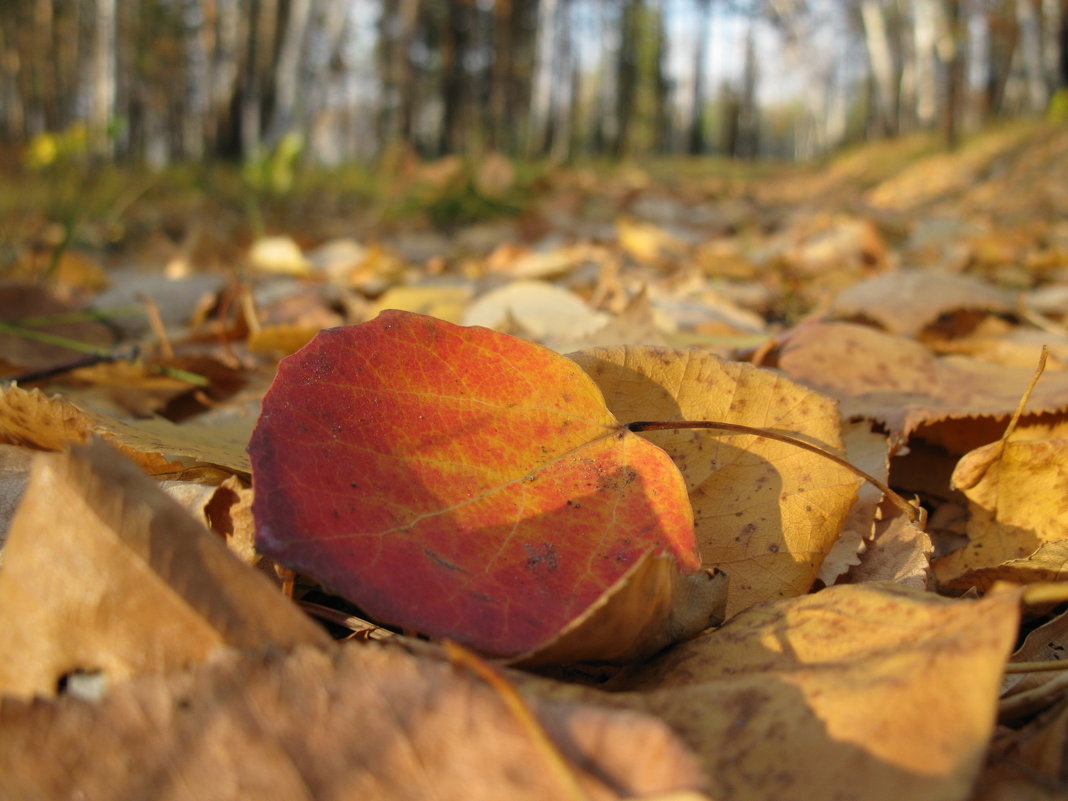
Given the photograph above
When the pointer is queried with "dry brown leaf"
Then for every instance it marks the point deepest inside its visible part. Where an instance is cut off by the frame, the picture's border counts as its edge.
(900, 551)
(280, 339)
(846, 245)
(278, 254)
(1049, 562)
(646, 242)
(872, 691)
(868, 450)
(224, 507)
(907, 302)
(635, 325)
(1014, 508)
(31, 419)
(765, 512)
(358, 722)
(997, 341)
(898, 382)
(14, 473)
(104, 572)
(1046, 643)
(1028, 764)
(445, 301)
(540, 309)
(221, 444)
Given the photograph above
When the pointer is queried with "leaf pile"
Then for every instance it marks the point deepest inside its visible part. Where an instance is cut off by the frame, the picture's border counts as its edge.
(525, 594)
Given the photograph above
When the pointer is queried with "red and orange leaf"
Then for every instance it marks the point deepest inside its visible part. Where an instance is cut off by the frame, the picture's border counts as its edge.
(458, 481)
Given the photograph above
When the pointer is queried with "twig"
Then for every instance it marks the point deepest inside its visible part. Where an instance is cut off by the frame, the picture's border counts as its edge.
(462, 657)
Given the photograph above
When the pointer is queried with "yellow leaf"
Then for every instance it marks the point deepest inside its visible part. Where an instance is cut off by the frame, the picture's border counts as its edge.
(765, 512)
(1014, 507)
(871, 691)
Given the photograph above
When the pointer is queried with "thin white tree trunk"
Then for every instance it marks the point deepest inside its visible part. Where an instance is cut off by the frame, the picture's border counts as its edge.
(925, 25)
(544, 70)
(881, 58)
(197, 82)
(287, 71)
(1029, 46)
(102, 92)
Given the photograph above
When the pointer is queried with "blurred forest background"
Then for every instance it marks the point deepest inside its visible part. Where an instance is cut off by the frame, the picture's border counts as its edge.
(328, 82)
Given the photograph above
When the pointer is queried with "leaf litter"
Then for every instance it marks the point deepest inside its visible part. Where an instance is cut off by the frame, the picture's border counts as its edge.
(861, 653)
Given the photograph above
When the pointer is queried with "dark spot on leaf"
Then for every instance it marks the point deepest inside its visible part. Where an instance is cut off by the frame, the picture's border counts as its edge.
(542, 556)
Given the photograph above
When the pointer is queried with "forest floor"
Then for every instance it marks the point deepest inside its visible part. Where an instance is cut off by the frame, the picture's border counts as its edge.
(896, 638)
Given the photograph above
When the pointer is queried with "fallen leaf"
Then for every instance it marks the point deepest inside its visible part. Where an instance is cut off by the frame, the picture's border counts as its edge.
(278, 254)
(868, 450)
(646, 242)
(444, 301)
(1027, 764)
(358, 722)
(540, 308)
(907, 302)
(899, 551)
(14, 473)
(31, 419)
(765, 512)
(1013, 508)
(900, 383)
(866, 686)
(105, 573)
(467, 484)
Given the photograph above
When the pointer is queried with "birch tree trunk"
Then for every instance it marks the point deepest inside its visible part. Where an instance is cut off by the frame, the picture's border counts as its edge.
(102, 91)
(544, 69)
(695, 138)
(925, 25)
(1030, 49)
(287, 71)
(881, 59)
(197, 81)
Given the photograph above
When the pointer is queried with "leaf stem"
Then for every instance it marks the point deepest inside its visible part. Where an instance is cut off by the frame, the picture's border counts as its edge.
(1036, 667)
(907, 508)
(462, 657)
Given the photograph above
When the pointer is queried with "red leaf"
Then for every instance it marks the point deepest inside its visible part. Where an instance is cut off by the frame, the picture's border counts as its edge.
(458, 481)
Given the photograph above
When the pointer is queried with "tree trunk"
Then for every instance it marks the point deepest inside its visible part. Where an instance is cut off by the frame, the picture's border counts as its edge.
(695, 139)
(542, 84)
(925, 25)
(950, 53)
(1053, 30)
(287, 80)
(1029, 47)
(454, 87)
(881, 59)
(627, 76)
(102, 92)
